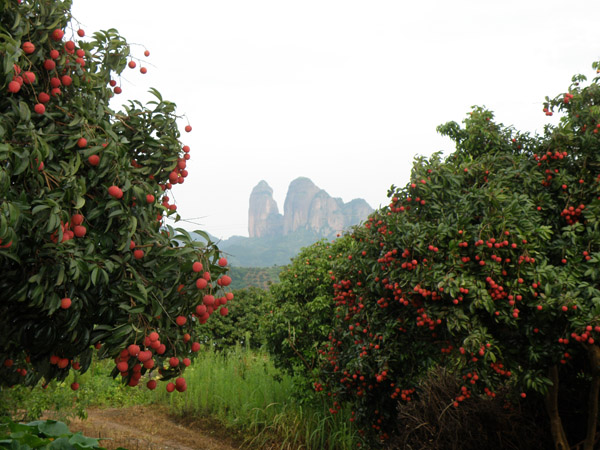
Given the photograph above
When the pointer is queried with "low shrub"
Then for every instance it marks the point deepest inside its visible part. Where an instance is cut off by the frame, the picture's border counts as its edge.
(43, 434)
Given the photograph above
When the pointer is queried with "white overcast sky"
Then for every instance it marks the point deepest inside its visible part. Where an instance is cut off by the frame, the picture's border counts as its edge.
(344, 92)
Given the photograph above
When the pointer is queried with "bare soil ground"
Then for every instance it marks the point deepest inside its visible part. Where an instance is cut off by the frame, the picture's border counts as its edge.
(150, 427)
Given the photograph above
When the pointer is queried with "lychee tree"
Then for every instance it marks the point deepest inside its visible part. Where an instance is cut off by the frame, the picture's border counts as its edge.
(300, 316)
(86, 259)
(486, 263)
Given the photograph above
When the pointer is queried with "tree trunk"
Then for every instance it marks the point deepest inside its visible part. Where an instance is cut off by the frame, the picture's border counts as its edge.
(556, 429)
(592, 419)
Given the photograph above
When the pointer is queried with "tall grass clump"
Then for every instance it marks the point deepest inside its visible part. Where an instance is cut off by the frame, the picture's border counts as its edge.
(243, 390)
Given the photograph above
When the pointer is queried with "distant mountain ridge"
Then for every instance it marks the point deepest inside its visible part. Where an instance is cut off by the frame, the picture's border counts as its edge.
(310, 214)
(306, 207)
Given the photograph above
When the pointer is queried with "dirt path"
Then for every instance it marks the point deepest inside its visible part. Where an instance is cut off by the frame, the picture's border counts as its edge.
(151, 428)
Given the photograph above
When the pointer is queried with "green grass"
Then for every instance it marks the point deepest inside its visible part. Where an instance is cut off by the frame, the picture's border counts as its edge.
(243, 390)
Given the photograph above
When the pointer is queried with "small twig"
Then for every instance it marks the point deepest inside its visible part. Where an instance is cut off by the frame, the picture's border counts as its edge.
(308, 366)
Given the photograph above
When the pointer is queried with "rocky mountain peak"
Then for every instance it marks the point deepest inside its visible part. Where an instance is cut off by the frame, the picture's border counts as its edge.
(263, 214)
(306, 207)
(296, 208)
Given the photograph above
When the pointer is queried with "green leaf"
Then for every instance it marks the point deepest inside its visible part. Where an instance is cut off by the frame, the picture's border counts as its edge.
(38, 208)
(116, 212)
(50, 428)
(81, 441)
(23, 163)
(76, 122)
(79, 202)
(94, 275)
(154, 92)
(121, 331)
(14, 213)
(24, 112)
(53, 223)
(61, 444)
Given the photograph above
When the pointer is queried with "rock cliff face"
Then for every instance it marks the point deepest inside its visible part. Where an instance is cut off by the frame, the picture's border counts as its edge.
(297, 206)
(264, 219)
(306, 208)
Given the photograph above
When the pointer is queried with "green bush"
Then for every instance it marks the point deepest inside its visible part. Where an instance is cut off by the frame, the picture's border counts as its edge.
(243, 323)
